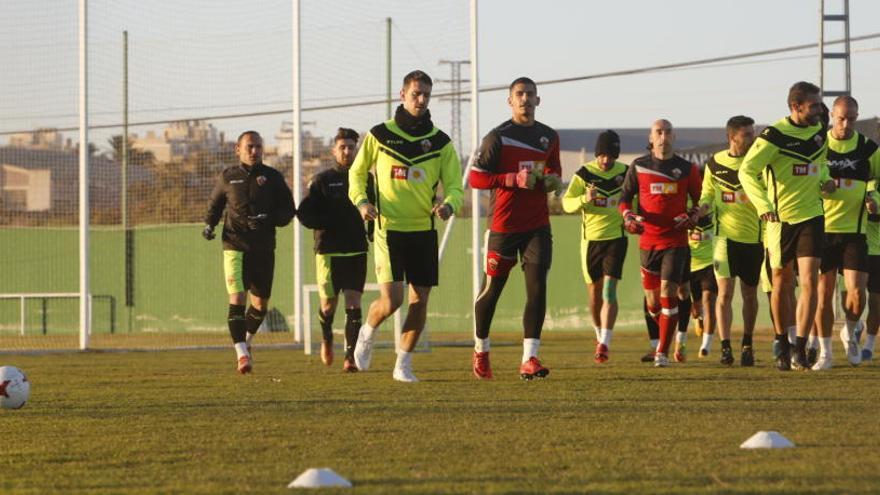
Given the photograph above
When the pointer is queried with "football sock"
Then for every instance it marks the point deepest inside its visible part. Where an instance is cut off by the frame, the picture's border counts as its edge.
(240, 350)
(481, 345)
(825, 346)
(484, 307)
(605, 336)
(725, 343)
(404, 358)
(326, 321)
(530, 348)
(747, 340)
(784, 344)
(801, 345)
(598, 332)
(869, 342)
(236, 322)
(707, 341)
(681, 337)
(253, 318)
(655, 343)
(367, 331)
(792, 334)
(851, 327)
(536, 300)
(684, 314)
(352, 326)
(668, 322)
(813, 341)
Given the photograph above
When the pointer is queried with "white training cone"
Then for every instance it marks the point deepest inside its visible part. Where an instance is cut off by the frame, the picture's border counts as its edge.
(319, 478)
(767, 440)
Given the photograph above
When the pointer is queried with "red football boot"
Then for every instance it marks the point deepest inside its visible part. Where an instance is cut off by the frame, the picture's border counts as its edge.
(482, 369)
(244, 365)
(601, 353)
(532, 369)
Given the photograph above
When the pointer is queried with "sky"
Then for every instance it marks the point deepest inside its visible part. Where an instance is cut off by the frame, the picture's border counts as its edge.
(209, 58)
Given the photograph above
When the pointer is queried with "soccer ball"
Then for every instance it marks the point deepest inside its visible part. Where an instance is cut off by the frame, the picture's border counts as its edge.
(14, 388)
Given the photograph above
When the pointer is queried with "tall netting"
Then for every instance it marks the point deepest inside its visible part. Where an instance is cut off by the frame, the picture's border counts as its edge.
(195, 75)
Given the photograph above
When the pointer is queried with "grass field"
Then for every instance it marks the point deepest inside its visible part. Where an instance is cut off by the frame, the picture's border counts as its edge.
(184, 422)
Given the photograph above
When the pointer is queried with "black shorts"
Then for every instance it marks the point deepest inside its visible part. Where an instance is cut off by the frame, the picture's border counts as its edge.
(799, 240)
(846, 251)
(336, 273)
(672, 264)
(532, 247)
(603, 258)
(249, 271)
(874, 273)
(703, 280)
(409, 256)
(738, 259)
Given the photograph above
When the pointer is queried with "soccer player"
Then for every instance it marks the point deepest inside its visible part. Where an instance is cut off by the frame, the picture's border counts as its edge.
(662, 181)
(872, 322)
(411, 158)
(519, 162)
(340, 246)
(594, 191)
(739, 250)
(703, 289)
(253, 200)
(853, 161)
(791, 155)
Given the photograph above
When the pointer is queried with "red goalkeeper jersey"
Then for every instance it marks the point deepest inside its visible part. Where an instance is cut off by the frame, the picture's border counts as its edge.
(510, 148)
(662, 187)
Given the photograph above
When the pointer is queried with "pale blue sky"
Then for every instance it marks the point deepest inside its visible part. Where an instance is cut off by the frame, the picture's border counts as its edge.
(217, 57)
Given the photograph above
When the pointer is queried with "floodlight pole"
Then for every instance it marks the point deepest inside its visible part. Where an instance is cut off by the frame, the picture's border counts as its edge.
(476, 258)
(297, 179)
(85, 317)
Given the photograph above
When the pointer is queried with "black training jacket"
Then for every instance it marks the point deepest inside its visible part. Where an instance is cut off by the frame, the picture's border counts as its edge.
(326, 209)
(248, 192)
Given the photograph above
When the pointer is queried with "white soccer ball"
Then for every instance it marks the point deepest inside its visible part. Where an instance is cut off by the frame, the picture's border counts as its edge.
(14, 388)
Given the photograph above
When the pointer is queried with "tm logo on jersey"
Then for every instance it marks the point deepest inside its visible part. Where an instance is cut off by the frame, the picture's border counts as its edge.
(733, 197)
(664, 188)
(412, 174)
(804, 169)
(531, 165)
(603, 202)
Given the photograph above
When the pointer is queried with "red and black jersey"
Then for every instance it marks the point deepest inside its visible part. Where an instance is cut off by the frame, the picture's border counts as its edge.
(507, 149)
(662, 187)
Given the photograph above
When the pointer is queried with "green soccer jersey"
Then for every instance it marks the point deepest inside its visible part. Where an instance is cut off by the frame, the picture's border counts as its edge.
(702, 243)
(600, 218)
(735, 216)
(872, 229)
(792, 159)
(852, 163)
(408, 170)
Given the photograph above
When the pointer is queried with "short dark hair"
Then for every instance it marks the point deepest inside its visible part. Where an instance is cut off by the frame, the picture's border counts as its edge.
(737, 122)
(346, 133)
(247, 133)
(522, 80)
(417, 75)
(845, 99)
(799, 92)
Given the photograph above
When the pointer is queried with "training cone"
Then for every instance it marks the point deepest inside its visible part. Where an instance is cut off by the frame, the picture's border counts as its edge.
(319, 478)
(767, 440)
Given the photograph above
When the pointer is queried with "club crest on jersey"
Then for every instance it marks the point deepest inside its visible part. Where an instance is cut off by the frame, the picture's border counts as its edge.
(426, 145)
(664, 187)
(676, 173)
(261, 180)
(545, 142)
(819, 139)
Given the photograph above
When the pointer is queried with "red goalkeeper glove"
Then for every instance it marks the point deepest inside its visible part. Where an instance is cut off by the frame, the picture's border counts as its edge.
(632, 223)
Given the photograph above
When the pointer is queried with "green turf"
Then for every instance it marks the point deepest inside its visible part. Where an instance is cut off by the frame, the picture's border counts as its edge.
(179, 280)
(184, 422)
